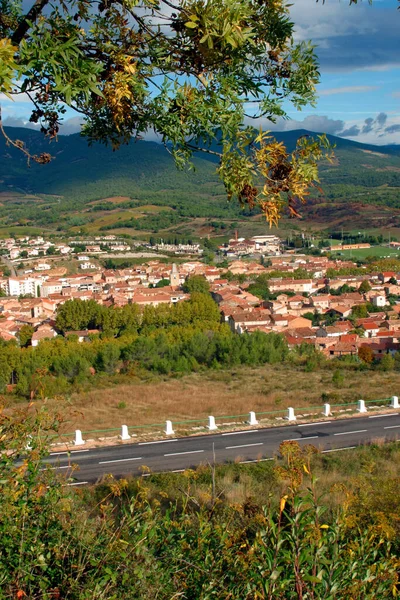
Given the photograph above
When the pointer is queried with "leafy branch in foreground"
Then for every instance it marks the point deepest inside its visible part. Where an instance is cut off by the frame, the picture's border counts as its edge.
(187, 70)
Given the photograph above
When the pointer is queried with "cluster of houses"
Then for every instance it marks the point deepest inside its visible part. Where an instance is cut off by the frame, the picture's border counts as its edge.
(34, 247)
(299, 306)
(258, 244)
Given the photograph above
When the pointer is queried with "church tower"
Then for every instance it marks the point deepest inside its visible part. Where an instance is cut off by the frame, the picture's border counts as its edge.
(174, 277)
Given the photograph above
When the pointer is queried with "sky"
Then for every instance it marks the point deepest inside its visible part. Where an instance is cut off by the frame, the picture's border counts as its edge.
(358, 48)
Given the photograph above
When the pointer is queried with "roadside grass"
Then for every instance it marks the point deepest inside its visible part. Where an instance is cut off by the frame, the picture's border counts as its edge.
(132, 401)
(343, 477)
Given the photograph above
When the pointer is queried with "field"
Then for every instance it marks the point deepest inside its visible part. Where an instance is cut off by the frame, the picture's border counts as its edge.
(378, 251)
(218, 393)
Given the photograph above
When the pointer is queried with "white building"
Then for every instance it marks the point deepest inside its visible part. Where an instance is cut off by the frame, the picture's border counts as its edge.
(42, 267)
(266, 243)
(379, 300)
(20, 286)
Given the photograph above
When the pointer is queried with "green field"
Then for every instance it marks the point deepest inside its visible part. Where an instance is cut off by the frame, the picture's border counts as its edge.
(378, 251)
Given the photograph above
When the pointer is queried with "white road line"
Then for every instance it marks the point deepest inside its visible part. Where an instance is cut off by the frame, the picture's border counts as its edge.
(255, 460)
(49, 466)
(310, 437)
(157, 442)
(180, 453)
(339, 449)
(311, 424)
(350, 432)
(244, 446)
(107, 462)
(67, 452)
(381, 416)
(392, 427)
(240, 432)
(78, 483)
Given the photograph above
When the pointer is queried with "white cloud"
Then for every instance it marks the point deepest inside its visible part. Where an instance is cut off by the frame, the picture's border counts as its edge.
(351, 89)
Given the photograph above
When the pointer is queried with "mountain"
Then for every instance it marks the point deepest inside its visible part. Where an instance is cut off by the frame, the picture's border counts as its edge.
(139, 190)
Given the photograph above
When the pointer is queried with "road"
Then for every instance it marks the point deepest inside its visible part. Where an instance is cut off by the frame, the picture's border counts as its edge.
(9, 264)
(244, 446)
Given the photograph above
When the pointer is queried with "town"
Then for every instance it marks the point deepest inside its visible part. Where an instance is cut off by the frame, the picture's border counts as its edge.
(340, 315)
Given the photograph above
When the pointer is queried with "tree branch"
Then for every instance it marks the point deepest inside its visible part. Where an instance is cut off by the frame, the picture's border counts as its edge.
(30, 17)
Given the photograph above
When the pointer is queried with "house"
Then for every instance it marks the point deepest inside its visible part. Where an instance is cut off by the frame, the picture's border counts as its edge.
(83, 336)
(342, 348)
(239, 321)
(44, 332)
(321, 302)
(378, 300)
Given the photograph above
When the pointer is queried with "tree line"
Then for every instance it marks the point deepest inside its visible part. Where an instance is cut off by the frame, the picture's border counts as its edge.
(162, 340)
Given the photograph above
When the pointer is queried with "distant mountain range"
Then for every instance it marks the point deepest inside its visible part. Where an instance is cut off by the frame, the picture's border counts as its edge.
(361, 175)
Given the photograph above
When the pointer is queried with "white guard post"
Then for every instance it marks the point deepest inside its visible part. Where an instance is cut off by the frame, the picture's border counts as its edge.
(168, 428)
(78, 438)
(211, 423)
(252, 418)
(327, 410)
(361, 406)
(124, 433)
(290, 414)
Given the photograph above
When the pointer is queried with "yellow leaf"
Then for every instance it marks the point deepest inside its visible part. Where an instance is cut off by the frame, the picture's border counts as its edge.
(324, 526)
(283, 503)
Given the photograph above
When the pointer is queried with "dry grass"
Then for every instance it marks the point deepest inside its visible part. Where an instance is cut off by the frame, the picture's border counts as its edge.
(220, 393)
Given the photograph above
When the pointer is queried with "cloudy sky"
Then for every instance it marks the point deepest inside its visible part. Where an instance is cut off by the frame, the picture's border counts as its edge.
(359, 53)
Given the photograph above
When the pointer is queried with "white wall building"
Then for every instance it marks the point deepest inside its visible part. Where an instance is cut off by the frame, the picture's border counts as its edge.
(20, 286)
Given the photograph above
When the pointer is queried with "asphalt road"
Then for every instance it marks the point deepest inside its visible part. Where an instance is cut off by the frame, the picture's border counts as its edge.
(177, 454)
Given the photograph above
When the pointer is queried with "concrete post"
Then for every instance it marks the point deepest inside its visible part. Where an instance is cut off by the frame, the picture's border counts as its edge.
(327, 410)
(290, 414)
(124, 433)
(361, 406)
(252, 418)
(78, 438)
(211, 423)
(394, 402)
(168, 428)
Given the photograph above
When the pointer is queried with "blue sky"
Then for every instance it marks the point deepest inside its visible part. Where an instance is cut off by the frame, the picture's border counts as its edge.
(358, 47)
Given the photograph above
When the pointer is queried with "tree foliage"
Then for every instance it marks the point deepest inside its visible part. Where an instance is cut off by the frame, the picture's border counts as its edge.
(187, 70)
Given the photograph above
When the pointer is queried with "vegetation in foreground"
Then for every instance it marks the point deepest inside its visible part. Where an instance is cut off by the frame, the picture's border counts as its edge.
(136, 539)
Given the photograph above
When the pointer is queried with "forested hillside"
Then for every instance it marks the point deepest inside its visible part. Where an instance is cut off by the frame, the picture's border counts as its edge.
(125, 191)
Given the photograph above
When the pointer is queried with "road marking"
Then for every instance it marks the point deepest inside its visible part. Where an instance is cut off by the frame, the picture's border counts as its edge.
(311, 424)
(350, 432)
(50, 467)
(78, 483)
(310, 437)
(381, 416)
(339, 449)
(67, 452)
(240, 432)
(107, 462)
(392, 427)
(244, 446)
(255, 460)
(179, 453)
(158, 442)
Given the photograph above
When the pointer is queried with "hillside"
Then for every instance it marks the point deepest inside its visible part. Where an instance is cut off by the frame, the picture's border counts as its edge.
(138, 191)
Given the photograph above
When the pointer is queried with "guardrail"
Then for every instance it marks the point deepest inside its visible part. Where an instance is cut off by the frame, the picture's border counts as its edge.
(250, 419)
